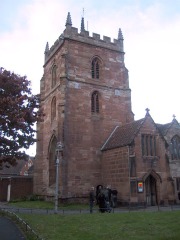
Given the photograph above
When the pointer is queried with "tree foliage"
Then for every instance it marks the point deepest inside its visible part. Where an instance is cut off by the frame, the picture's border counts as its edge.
(19, 110)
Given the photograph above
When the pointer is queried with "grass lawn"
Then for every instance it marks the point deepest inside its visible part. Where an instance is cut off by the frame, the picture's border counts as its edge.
(32, 204)
(47, 205)
(107, 226)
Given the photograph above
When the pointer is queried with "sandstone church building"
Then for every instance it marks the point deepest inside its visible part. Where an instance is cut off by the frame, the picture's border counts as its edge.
(86, 98)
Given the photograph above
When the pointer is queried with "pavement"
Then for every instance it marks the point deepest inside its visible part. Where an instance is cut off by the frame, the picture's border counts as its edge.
(9, 230)
(13, 209)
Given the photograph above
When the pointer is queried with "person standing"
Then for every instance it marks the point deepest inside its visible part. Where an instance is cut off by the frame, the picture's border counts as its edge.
(91, 199)
(101, 200)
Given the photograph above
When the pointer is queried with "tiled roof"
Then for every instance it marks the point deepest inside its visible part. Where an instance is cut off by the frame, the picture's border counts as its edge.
(164, 127)
(123, 135)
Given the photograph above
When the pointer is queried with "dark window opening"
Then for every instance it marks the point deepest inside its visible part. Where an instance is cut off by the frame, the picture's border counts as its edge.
(133, 187)
(54, 75)
(178, 184)
(132, 167)
(148, 143)
(95, 102)
(95, 68)
(175, 148)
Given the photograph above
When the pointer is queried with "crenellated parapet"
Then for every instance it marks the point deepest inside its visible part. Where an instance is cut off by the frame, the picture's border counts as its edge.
(71, 33)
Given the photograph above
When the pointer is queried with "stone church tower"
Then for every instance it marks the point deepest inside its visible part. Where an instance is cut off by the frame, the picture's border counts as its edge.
(84, 94)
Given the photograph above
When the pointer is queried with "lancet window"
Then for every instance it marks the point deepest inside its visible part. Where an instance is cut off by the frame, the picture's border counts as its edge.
(95, 68)
(53, 109)
(54, 75)
(175, 148)
(95, 102)
(148, 143)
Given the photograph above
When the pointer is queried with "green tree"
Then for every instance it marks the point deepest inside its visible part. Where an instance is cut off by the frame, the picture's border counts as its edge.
(19, 111)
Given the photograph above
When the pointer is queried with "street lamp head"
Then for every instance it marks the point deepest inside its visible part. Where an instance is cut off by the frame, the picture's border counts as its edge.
(59, 147)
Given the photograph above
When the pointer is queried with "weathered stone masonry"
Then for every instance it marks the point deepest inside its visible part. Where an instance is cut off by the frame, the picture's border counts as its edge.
(86, 99)
(82, 131)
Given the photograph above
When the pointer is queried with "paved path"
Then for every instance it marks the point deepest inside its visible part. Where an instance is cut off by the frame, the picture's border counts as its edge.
(9, 230)
(86, 211)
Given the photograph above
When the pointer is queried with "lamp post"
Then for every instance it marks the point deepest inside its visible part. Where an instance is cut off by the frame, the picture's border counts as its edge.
(59, 150)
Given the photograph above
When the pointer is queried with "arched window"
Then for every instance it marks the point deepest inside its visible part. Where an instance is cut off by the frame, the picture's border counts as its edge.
(53, 109)
(175, 148)
(95, 102)
(54, 75)
(95, 68)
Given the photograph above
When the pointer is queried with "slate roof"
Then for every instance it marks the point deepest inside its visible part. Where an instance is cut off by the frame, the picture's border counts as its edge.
(165, 127)
(123, 135)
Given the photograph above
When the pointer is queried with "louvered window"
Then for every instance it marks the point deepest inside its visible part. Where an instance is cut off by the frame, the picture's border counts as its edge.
(95, 102)
(95, 68)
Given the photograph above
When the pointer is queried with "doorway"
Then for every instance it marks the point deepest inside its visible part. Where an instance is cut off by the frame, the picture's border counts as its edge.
(151, 191)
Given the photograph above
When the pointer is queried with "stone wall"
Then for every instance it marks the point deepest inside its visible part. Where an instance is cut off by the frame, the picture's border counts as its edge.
(115, 171)
(81, 131)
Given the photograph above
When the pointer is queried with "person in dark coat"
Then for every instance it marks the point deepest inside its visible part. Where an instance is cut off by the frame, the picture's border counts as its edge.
(101, 200)
(107, 193)
(91, 199)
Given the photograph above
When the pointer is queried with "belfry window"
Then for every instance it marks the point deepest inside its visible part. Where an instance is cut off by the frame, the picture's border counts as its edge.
(95, 68)
(148, 143)
(54, 75)
(95, 102)
(175, 148)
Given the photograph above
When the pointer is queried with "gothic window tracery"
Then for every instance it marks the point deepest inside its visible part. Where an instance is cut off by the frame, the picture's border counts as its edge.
(95, 68)
(95, 102)
(148, 143)
(175, 148)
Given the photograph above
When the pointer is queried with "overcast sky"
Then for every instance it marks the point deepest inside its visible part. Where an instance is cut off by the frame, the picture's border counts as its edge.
(151, 30)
